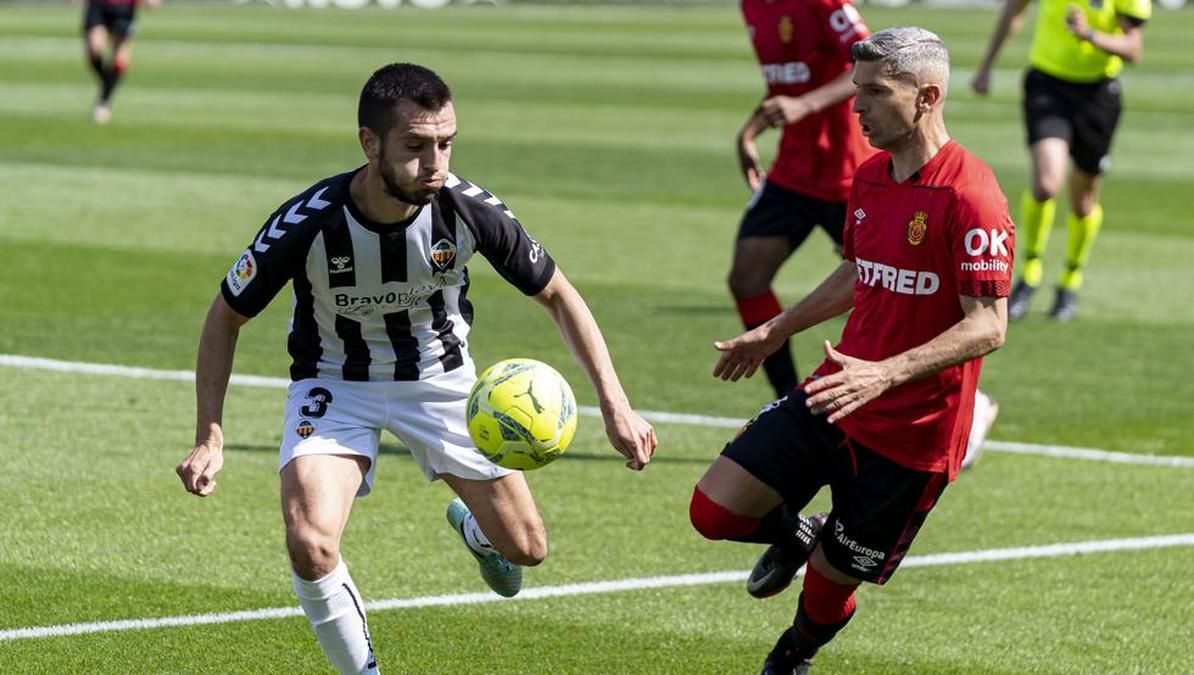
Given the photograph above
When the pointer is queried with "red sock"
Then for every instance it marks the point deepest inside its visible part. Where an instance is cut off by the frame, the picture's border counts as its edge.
(757, 310)
(825, 602)
(715, 521)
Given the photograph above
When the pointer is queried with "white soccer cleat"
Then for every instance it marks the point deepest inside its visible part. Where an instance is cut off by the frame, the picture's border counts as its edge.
(985, 412)
(102, 114)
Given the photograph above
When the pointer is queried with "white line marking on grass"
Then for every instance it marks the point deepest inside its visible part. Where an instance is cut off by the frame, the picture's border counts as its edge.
(595, 587)
(1060, 451)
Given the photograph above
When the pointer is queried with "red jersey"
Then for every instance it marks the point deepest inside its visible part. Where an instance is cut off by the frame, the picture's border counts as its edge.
(802, 45)
(918, 245)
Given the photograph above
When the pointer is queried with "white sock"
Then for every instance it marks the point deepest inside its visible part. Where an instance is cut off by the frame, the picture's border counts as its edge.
(334, 607)
(474, 537)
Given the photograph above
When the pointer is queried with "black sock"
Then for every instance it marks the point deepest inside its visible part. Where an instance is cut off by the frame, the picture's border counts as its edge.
(790, 531)
(781, 370)
(110, 79)
(805, 636)
(97, 64)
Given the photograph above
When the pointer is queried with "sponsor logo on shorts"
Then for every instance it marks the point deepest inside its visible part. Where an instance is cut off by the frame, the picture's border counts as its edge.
(865, 559)
(304, 429)
(242, 272)
(917, 228)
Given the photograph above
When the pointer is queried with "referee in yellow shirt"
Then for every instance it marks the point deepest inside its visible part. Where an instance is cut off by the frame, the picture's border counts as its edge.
(1071, 106)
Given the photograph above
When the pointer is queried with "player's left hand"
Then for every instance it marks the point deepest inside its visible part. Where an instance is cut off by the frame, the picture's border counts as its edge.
(858, 382)
(781, 111)
(630, 435)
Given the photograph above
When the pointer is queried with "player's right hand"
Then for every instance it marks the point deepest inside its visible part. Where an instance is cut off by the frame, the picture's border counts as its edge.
(981, 82)
(198, 469)
(742, 356)
(748, 163)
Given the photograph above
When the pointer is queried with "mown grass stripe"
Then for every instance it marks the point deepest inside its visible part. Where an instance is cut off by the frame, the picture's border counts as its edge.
(1060, 451)
(595, 587)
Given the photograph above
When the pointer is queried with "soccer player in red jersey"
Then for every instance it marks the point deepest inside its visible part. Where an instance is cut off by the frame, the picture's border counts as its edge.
(104, 20)
(803, 49)
(928, 248)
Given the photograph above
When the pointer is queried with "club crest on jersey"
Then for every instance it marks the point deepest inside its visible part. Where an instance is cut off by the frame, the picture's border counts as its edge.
(442, 254)
(785, 29)
(917, 227)
(340, 264)
(242, 272)
(304, 429)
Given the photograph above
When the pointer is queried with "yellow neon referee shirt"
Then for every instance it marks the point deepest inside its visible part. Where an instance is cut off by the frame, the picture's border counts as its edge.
(1060, 53)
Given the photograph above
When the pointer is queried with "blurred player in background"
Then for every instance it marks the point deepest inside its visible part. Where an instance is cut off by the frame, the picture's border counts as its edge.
(803, 49)
(883, 421)
(104, 22)
(1071, 107)
(377, 260)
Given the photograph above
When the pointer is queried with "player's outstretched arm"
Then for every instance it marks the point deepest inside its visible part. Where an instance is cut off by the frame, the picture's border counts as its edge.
(1010, 19)
(1128, 45)
(213, 367)
(741, 356)
(629, 433)
(981, 331)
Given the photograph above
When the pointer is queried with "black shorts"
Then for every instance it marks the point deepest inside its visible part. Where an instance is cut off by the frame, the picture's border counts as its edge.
(1083, 115)
(776, 211)
(878, 505)
(118, 19)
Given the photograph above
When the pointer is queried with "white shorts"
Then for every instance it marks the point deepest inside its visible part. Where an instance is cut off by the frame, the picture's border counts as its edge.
(335, 417)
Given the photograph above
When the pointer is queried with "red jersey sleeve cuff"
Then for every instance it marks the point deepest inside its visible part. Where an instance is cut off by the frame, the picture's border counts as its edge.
(985, 289)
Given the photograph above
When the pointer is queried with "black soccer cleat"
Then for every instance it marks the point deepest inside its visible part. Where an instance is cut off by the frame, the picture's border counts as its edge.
(777, 567)
(786, 658)
(1020, 301)
(1065, 305)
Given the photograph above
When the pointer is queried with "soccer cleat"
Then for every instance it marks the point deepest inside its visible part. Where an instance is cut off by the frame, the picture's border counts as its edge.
(1021, 298)
(503, 576)
(786, 658)
(102, 114)
(776, 568)
(986, 409)
(1065, 305)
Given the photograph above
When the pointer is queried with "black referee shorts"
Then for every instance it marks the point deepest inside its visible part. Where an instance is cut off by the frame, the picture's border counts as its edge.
(878, 505)
(120, 20)
(1084, 115)
(775, 211)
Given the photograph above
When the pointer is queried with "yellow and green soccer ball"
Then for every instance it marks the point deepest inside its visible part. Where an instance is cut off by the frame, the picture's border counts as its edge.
(521, 414)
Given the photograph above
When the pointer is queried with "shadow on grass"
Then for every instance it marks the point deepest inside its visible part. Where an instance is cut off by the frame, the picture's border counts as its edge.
(399, 450)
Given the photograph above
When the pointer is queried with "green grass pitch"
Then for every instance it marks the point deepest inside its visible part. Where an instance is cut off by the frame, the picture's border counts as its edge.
(609, 132)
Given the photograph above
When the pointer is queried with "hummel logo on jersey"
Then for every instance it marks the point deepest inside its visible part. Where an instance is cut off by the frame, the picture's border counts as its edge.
(342, 264)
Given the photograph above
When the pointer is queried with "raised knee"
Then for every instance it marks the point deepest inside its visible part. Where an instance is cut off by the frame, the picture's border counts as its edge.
(530, 550)
(714, 521)
(1044, 189)
(745, 283)
(312, 554)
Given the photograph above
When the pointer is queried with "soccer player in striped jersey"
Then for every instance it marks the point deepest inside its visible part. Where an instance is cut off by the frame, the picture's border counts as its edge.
(1072, 106)
(378, 340)
(928, 250)
(107, 21)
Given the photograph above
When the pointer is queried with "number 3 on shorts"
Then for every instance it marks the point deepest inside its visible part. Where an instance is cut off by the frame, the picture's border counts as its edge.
(320, 399)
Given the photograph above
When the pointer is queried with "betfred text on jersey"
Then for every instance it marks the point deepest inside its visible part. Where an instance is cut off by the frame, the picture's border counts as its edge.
(896, 280)
(794, 72)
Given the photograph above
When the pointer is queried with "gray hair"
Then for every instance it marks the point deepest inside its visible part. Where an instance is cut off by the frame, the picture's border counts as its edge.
(909, 53)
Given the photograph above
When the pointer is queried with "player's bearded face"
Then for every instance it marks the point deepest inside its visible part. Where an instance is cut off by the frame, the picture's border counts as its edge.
(886, 106)
(414, 156)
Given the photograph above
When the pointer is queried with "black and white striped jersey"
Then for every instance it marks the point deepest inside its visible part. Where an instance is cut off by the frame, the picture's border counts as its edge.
(381, 302)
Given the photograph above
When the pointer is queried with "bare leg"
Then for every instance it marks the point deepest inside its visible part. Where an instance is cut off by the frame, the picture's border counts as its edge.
(506, 513)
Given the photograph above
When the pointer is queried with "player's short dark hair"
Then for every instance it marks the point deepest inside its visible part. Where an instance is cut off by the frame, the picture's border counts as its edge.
(399, 82)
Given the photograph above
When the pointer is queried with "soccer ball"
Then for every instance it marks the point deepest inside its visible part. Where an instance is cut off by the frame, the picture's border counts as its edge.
(521, 414)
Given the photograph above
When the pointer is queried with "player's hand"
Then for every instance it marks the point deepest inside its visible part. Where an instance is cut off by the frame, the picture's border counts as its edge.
(630, 435)
(780, 111)
(152, 4)
(198, 469)
(748, 163)
(1075, 21)
(858, 382)
(981, 82)
(741, 356)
